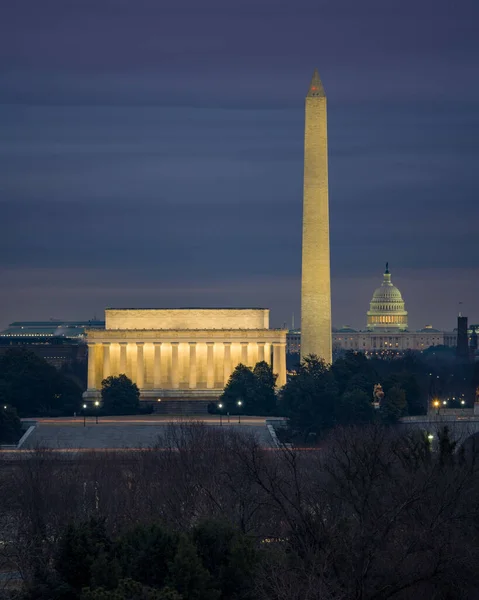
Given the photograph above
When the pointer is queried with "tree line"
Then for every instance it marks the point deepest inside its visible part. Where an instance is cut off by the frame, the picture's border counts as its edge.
(211, 514)
(315, 398)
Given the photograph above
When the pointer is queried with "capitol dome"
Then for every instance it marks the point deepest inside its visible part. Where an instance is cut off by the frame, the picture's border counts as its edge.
(386, 309)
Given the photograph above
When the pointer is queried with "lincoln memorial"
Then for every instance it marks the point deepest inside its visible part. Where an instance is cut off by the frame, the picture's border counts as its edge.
(182, 353)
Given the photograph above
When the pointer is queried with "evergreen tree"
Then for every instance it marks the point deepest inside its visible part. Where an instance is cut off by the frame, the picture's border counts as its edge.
(228, 555)
(354, 370)
(130, 590)
(309, 398)
(188, 575)
(409, 383)
(265, 388)
(242, 385)
(79, 549)
(120, 396)
(10, 425)
(447, 446)
(354, 407)
(145, 552)
(394, 405)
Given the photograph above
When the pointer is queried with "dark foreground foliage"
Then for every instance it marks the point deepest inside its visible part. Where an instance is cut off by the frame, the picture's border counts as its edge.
(34, 387)
(374, 515)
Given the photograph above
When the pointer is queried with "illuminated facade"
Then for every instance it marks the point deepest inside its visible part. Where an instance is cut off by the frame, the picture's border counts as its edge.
(347, 338)
(386, 310)
(182, 354)
(315, 281)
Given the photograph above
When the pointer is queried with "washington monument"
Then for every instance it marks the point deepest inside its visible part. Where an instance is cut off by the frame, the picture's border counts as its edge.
(316, 283)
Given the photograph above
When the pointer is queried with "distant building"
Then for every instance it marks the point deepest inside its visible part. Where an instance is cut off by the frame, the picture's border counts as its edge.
(387, 329)
(58, 342)
(48, 329)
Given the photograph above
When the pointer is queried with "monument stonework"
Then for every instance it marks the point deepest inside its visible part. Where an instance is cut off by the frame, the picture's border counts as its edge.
(182, 354)
(316, 325)
(188, 354)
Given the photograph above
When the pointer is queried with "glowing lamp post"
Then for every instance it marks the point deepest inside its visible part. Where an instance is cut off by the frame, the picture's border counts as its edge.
(84, 415)
(240, 404)
(97, 406)
(436, 405)
(220, 407)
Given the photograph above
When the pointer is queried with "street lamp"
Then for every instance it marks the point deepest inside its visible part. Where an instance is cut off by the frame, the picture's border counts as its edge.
(97, 406)
(220, 406)
(436, 405)
(84, 415)
(240, 404)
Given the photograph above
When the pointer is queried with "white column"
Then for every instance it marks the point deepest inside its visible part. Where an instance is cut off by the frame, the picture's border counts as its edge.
(157, 365)
(244, 353)
(192, 375)
(267, 353)
(282, 363)
(123, 346)
(106, 360)
(260, 351)
(226, 362)
(140, 365)
(210, 365)
(279, 363)
(92, 366)
(175, 381)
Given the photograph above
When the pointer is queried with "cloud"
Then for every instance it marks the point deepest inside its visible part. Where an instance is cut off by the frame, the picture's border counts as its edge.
(158, 146)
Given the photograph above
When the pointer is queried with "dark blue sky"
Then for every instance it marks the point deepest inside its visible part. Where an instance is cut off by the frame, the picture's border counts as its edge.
(151, 154)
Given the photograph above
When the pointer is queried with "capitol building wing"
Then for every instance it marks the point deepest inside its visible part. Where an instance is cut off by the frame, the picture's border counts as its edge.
(182, 353)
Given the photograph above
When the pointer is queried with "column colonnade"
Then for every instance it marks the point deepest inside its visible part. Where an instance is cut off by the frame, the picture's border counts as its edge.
(161, 364)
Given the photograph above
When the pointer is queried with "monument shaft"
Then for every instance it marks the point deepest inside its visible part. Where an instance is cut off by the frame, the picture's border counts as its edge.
(316, 280)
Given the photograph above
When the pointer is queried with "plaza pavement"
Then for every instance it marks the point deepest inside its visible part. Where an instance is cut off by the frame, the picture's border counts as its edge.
(128, 432)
